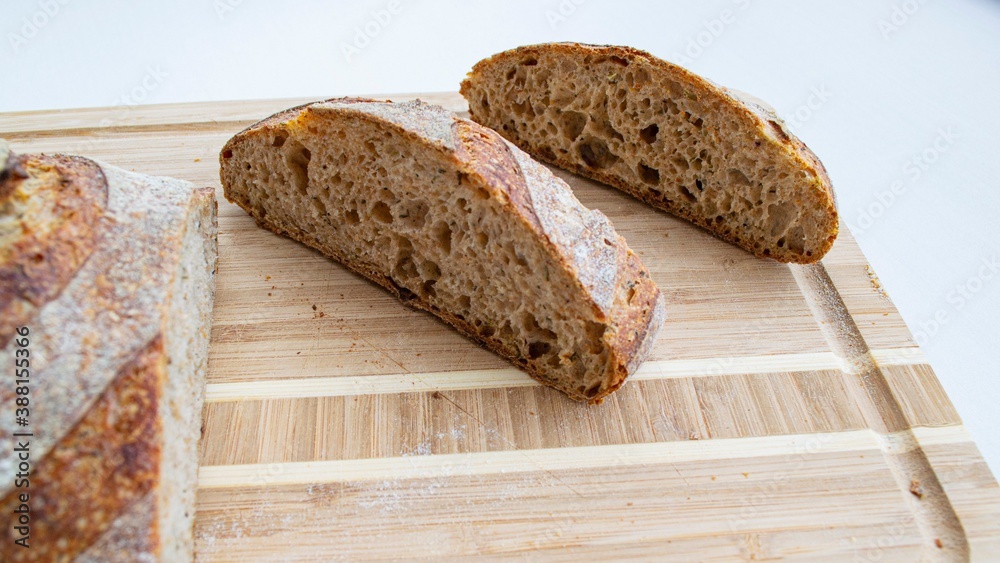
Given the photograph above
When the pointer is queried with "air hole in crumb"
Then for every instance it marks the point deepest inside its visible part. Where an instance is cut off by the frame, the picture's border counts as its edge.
(382, 213)
(297, 159)
(483, 239)
(414, 214)
(279, 140)
(511, 73)
(530, 62)
(698, 184)
(506, 332)
(619, 60)
(352, 217)
(649, 133)
(538, 349)
(649, 175)
(442, 235)
(319, 206)
(429, 288)
(227, 153)
(591, 392)
(487, 331)
(595, 331)
(465, 302)
(595, 153)
(738, 177)
(572, 123)
(687, 193)
(699, 122)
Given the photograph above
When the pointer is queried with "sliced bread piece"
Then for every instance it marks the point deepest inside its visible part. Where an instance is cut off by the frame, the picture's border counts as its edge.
(106, 288)
(454, 220)
(720, 159)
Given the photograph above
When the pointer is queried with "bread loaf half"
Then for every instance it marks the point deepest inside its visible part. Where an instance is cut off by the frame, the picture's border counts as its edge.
(106, 287)
(454, 220)
(717, 158)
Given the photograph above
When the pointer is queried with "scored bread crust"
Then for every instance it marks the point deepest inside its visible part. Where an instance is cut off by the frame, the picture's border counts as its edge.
(487, 159)
(71, 192)
(116, 332)
(757, 119)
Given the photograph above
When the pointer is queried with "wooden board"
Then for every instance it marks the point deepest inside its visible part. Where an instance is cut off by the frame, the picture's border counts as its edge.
(784, 412)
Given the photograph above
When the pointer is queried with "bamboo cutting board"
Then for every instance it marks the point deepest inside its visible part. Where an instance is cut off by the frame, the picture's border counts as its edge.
(784, 412)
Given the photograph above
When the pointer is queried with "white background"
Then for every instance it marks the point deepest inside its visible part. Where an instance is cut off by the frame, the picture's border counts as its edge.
(870, 86)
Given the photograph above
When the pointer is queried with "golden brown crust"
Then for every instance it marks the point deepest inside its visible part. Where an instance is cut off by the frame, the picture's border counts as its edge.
(48, 206)
(487, 161)
(106, 326)
(108, 461)
(759, 119)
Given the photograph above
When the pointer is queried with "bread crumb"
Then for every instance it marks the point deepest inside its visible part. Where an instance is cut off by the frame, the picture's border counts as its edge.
(436, 395)
(268, 293)
(746, 475)
(939, 543)
(876, 283)
(915, 489)
(197, 160)
(314, 307)
(267, 278)
(713, 477)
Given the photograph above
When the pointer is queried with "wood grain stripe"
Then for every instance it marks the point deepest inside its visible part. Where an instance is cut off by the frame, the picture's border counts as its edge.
(556, 459)
(297, 388)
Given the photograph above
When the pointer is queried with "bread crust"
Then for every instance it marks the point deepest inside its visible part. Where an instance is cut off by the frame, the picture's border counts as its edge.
(52, 203)
(93, 474)
(757, 117)
(488, 161)
(99, 336)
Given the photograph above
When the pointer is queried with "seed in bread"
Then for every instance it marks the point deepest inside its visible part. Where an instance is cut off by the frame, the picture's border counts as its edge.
(454, 220)
(112, 274)
(715, 157)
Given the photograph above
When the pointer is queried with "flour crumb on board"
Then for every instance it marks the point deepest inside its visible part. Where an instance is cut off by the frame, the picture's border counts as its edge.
(876, 283)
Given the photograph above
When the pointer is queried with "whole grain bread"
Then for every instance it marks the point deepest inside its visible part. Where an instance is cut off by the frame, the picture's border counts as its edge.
(718, 158)
(455, 221)
(112, 275)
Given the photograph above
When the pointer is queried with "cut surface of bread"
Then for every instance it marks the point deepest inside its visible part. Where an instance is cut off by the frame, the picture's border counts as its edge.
(454, 220)
(112, 273)
(717, 158)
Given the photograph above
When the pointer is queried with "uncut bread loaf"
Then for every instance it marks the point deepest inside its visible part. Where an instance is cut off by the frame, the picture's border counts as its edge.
(454, 220)
(106, 288)
(718, 158)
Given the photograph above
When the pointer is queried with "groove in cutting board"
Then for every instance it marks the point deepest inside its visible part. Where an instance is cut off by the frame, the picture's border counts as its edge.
(930, 506)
